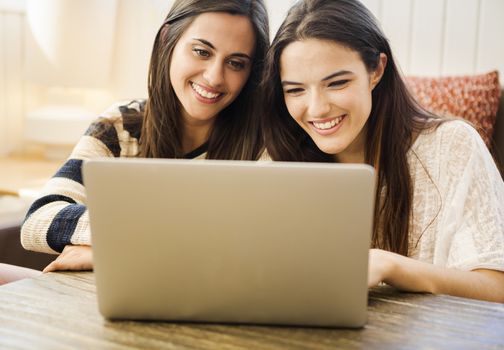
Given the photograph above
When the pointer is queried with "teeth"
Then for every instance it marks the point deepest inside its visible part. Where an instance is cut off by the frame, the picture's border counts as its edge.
(328, 125)
(203, 92)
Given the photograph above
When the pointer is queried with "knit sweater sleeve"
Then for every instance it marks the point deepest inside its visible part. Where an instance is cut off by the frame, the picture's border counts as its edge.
(59, 216)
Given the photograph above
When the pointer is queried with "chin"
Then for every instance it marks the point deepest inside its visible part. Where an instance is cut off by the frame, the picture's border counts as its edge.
(203, 116)
(329, 149)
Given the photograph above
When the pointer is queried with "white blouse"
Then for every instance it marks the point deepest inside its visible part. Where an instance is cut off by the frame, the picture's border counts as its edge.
(458, 200)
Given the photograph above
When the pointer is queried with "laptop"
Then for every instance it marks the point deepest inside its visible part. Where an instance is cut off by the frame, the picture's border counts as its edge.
(271, 243)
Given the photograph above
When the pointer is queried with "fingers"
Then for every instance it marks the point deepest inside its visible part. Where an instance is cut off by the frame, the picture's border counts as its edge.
(56, 264)
(75, 258)
(53, 266)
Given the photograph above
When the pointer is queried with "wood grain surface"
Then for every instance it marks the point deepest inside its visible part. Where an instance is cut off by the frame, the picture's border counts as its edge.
(59, 311)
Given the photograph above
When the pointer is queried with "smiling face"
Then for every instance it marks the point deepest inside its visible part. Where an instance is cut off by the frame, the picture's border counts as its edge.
(330, 96)
(210, 64)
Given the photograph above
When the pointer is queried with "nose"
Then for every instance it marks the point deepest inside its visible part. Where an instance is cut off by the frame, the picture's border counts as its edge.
(214, 73)
(318, 105)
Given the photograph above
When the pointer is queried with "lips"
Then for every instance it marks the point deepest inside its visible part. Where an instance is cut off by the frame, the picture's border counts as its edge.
(327, 124)
(205, 94)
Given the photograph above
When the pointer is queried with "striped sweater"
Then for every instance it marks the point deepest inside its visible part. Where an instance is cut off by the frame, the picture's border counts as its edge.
(59, 217)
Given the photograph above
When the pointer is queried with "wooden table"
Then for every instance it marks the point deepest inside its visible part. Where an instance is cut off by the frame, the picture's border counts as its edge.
(59, 310)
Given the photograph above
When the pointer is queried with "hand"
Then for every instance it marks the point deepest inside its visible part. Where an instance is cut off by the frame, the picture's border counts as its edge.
(73, 257)
(380, 266)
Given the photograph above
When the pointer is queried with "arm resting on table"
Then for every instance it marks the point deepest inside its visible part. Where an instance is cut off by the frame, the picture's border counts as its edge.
(416, 276)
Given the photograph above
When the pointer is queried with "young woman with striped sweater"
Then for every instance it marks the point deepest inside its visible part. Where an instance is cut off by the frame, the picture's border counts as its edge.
(205, 66)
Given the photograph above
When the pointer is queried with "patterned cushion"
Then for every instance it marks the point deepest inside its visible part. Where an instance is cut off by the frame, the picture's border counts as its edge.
(472, 97)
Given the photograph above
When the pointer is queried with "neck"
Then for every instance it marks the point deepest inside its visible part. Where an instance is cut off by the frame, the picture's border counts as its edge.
(349, 157)
(195, 135)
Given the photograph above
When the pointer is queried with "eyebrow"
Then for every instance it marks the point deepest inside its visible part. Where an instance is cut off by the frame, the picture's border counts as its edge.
(235, 54)
(330, 76)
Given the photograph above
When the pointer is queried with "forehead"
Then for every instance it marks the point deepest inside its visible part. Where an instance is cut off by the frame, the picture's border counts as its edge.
(226, 32)
(317, 58)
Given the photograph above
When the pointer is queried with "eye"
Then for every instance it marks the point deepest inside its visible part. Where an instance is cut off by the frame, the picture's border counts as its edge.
(338, 83)
(201, 52)
(236, 65)
(293, 91)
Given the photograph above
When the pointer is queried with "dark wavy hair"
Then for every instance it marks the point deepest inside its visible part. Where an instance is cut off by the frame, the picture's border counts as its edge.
(394, 119)
(236, 133)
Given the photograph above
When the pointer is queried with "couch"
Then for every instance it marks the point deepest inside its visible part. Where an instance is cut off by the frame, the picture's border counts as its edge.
(476, 98)
(11, 251)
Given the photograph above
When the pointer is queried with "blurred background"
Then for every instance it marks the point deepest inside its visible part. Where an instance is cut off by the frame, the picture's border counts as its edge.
(62, 62)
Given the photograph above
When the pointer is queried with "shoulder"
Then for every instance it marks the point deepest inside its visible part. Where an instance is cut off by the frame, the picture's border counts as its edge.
(451, 128)
(450, 136)
(120, 116)
(457, 128)
(451, 148)
(124, 115)
(127, 107)
(119, 125)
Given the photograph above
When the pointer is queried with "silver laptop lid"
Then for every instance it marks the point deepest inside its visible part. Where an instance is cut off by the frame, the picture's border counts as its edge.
(228, 241)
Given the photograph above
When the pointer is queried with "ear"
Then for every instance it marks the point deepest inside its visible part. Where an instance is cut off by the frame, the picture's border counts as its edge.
(377, 74)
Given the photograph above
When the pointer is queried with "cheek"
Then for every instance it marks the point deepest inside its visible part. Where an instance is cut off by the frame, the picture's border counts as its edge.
(183, 66)
(238, 80)
(176, 72)
(175, 60)
(356, 100)
(295, 107)
(364, 106)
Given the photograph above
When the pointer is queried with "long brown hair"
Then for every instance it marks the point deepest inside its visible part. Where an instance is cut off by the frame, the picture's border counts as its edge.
(236, 133)
(394, 119)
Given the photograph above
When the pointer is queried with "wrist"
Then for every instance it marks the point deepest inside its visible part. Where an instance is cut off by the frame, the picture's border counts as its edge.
(411, 275)
(391, 267)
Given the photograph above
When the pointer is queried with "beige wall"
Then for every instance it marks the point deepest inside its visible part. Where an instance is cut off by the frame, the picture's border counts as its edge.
(136, 29)
(429, 37)
(444, 37)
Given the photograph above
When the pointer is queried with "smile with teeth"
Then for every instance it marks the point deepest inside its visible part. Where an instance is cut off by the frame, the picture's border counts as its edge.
(204, 93)
(329, 124)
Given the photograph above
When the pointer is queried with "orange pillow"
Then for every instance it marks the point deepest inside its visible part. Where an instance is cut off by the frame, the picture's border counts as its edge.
(472, 97)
